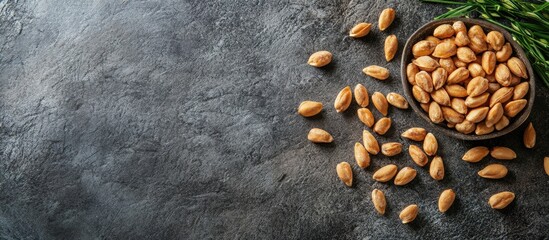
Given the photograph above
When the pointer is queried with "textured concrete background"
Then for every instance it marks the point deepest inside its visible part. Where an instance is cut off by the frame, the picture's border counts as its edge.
(176, 119)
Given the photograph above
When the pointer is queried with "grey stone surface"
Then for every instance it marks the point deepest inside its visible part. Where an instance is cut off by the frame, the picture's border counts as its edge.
(173, 119)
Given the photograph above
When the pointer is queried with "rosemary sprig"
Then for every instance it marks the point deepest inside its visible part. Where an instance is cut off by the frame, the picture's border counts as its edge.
(528, 23)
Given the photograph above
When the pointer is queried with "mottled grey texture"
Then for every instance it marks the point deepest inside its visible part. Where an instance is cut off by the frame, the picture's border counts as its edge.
(176, 119)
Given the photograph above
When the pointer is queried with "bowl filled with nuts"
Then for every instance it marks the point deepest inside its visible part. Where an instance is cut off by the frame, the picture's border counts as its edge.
(468, 78)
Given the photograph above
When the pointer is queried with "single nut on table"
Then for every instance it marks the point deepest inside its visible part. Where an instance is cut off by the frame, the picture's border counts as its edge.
(391, 148)
(505, 53)
(443, 31)
(380, 203)
(391, 47)
(318, 135)
(517, 67)
(380, 102)
(546, 165)
(503, 75)
(420, 95)
(451, 116)
(495, 39)
(458, 76)
(501, 200)
(445, 49)
(404, 176)
(465, 54)
(465, 127)
(436, 169)
(365, 116)
(343, 99)
(512, 108)
(370, 142)
(309, 108)
(415, 133)
(502, 95)
(503, 153)
(439, 77)
(376, 72)
(426, 63)
(386, 18)
(362, 157)
(488, 62)
(446, 200)
(521, 90)
(345, 173)
(385, 173)
(529, 137)
(418, 156)
(493, 171)
(504, 122)
(411, 71)
(360, 30)
(458, 104)
(447, 64)
(441, 97)
(320, 59)
(409, 213)
(361, 95)
(476, 154)
(397, 100)
(382, 126)
(461, 39)
(435, 113)
(430, 144)
(494, 115)
(423, 48)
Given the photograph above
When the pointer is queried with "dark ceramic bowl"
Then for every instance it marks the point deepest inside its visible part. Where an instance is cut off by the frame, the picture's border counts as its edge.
(427, 30)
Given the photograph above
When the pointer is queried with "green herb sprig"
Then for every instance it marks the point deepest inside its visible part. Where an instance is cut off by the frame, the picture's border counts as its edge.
(528, 23)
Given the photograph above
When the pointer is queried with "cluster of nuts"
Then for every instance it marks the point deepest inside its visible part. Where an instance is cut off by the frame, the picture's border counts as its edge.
(381, 103)
(323, 58)
(435, 75)
(371, 146)
(498, 171)
(468, 79)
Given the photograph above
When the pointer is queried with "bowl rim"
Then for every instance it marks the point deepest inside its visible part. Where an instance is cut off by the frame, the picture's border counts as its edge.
(517, 51)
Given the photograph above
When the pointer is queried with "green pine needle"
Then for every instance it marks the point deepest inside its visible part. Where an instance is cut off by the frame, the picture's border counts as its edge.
(528, 24)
